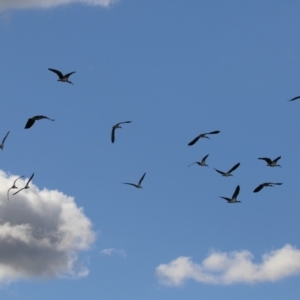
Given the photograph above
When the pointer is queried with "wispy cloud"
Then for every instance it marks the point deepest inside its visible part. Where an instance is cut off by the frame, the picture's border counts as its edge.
(17, 4)
(41, 233)
(110, 251)
(233, 267)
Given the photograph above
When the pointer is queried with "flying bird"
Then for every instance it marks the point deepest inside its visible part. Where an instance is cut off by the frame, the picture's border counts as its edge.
(202, 135)
(31, 121)
(116, 127)
(295, 98)
(227, 174)
(234, 196)
(13, 186)
(139, 185)
(62, 78)
(2, 144)
(270, 162)
(271, 184)
(202, 162)
(26, 185)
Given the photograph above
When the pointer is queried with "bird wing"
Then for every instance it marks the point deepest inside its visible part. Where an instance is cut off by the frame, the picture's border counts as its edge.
(113, 134)
(192, 163)
(29, 179)
(69, 74)
(194, 140)
(142, 179)
(234, 167)
(58, 73)
(228, 199)
(258, 188)
(130, 184)
(268, 160)
(8, 193)
(213, 132)
(236, 192)
(295, 98)
(17, 179)
(19, 191)
(41, 117)
(5, 138)
(29, 123)
(278, 183)
(220, 172)
(124, 122)
(276, 159)
(204, 158)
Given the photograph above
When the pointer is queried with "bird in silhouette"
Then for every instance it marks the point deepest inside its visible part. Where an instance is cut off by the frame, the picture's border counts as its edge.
(295, 98)
(31, 121)
(2, 144)
(62, 78)
(26, 185)
(139, 185)
(227, 174)
(270, 162)
(271, 184)
(116, 127)
(13, 186)
(202, 162)
(234, 196)
(202, 135)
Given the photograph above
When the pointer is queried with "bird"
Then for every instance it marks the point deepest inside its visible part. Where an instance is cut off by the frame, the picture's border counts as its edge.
(26, 185)
(2, 144)
(295, 98)
(114, 128)
(202, 162)
(227, 174)
(139, 185)
(202, 135)
(271, 184)
(13, 186)
(31, 121)
(62, 78)
(234, 196)
(271, 163)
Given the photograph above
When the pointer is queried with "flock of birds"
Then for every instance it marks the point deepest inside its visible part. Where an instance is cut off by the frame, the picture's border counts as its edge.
(233, 199)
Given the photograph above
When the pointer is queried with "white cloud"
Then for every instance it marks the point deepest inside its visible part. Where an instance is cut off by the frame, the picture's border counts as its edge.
(111, 251)
(233, 267)
(41, 233)
(11, 4)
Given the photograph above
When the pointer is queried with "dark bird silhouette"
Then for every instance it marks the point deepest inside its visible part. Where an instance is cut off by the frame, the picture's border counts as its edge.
(139, 185)
(2, 144)
(202, 135)
(13, 186)
(202, 162)
(62, 78)
(271, 184)
(227, 174)
(116, 127)
(26, 185)
(270, 162)
(234, 196)
(295, 98)
(31, 121)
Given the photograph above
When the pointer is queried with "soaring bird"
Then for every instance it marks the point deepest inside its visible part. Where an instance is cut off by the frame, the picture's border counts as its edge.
(62, 78)
(202, 135)
(139, 185)
(270, 162)
(114, 128)
(227, 174)
(202, 162)
(271, 184)
(2, 144)
(13, 186)
(31, 121)
(26, 185)
(295, 98)
(234, 196)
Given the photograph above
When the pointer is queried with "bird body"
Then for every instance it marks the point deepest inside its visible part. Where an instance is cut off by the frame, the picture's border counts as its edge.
(270, 184)
(116, 126)
(227, 174)
(234, 196)
(2, 144)
(62, 78)
(139, 185)
(31, 121)
(202, 162)
(270, 162)
(26, 185)
(202, 135)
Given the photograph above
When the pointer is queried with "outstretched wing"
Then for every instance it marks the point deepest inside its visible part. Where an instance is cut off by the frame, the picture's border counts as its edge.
(204, 158)
(234, 167)
(258, 188)
(5, 138)
(220, 172)
(236, 192)
(29, 179)
(276, 159)
(295, 98)
(213, 132)
(19, 191)
(29, 123)
(130, 184)
(58, 73)
(113, 134)
(142, 178)
(268, 160)
(69, 74)
(194, 141)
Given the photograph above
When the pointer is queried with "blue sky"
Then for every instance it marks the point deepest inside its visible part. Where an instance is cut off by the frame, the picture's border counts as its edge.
(175, 69)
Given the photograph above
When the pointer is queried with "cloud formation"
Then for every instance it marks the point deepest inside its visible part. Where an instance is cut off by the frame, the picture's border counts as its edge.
(110, 251)
(231, 268)
(19, 4)
(41, 233)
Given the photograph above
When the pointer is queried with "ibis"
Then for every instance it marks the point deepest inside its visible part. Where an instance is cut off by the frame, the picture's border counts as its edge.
(13, 186)
(234, 196)
(62, 78)
(26, 185)
(139, 185)
(271, 184)
(114, 129)
(202, 162)
(270, 162)
(202, 135)
(227, 174)
(31, 121)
